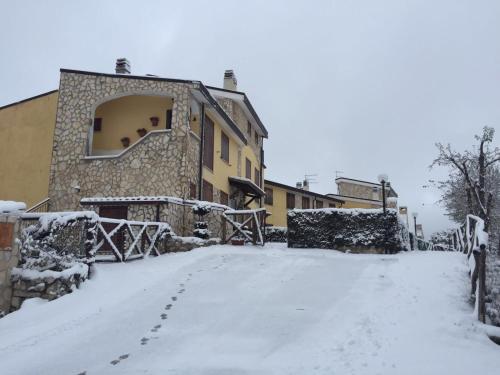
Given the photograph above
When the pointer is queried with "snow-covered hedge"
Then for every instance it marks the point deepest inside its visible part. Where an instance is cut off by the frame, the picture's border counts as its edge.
(276, 234)
(356, 230)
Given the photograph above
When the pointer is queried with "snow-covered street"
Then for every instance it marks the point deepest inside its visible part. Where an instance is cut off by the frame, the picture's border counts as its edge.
(251, 310)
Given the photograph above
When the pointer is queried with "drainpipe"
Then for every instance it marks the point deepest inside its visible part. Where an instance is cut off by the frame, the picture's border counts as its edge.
(261, 170)
(202, 141)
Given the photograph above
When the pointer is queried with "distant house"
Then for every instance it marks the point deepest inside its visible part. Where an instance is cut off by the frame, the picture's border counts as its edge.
(119, 135)
(363, 194)
(281, 198)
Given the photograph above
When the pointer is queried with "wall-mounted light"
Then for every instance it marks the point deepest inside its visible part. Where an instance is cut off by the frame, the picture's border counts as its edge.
(154, 120)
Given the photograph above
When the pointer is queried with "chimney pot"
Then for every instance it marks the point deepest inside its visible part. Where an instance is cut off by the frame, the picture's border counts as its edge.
(299, 185)
(122, 66)
(230, 81)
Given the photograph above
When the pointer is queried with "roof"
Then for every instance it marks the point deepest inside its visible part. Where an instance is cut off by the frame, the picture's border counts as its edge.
(28, 99)
(198, 85)
(362, 182)
(247, 186)
(302, 191)
(247, 104)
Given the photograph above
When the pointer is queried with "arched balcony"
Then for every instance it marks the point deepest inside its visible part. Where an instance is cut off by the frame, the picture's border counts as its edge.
(120, 123)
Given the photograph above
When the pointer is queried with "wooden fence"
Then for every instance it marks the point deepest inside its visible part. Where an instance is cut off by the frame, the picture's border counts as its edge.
(471, 239)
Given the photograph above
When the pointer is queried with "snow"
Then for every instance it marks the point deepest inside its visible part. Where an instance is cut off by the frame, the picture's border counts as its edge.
(154, 199)
(11, 207)
(77, 268)
(253, 310)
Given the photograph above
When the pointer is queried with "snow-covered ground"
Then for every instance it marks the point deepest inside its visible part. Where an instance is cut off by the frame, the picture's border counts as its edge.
(251, 310)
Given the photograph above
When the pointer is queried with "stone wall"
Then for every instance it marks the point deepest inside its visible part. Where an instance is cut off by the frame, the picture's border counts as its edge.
(355, 230)
(162, 163)
(9, 258)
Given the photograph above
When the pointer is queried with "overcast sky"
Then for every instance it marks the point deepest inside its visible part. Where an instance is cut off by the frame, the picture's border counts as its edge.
(358, 86)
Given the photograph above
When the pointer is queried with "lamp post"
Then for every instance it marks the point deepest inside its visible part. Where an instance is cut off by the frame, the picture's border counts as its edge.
(415, 214)
(383, 179)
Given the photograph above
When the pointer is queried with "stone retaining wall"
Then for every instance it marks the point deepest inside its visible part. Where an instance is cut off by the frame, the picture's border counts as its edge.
(9, 258)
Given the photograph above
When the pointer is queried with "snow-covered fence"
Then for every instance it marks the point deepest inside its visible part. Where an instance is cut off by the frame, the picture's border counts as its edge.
(471, 239)
(126, 240)
(87, 237)
(355, 230)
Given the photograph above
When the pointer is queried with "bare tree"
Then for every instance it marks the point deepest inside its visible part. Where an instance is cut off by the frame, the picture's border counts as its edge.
(474, 170)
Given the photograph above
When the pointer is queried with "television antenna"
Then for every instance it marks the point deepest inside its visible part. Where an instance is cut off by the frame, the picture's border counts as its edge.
(338, 174)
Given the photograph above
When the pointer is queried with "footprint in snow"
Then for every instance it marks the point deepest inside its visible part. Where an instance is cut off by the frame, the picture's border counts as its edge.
(156, 328)
(120, 358)
(168, 307)
(144, 341)
(182, 290)
(174, 298)
(82, 373)
(163, 316)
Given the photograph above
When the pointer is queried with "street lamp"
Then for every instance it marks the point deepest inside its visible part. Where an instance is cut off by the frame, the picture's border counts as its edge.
(383, 179)
(415, 214)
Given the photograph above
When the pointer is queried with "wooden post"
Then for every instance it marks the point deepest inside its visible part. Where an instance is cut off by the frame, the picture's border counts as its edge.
(224, 229)
(482, 284)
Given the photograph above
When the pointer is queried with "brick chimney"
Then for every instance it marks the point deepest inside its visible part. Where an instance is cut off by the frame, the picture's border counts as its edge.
(230, 82)
(122, 66)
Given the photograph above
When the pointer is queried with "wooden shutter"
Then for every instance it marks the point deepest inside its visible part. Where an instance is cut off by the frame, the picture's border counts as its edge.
(269, 196)
(248, 169)
(331, 205)
(305, 203)
(208, 191)
(257, 177)
(169, 119)
(224, 198)
(208, 143)
(224, 145)
(319, 204)
(290, 201)
(97, 124)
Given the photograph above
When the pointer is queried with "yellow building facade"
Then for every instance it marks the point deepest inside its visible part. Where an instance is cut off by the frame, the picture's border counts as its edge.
(26, 136)
(281, 198)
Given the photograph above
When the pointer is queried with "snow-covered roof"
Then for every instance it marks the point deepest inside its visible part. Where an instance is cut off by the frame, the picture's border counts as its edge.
(249, 183)
(149, 199)
(7, 207)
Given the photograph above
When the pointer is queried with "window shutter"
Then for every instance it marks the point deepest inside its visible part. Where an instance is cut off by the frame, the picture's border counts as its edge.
(208, 191)
(208, 143)
(305, 203)
(269, 196)
(290, 201)
(224, 141)
(169, 119)
(224, 198)
(248, 169)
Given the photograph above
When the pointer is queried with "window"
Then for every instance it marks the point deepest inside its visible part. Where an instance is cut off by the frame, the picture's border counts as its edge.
(257, 177)
(256, 138)
(248, 169)
(224, 147)
(290, 201)
(208, 191)
(208, 143)
(331, 205)
(192, 190)
(319, 204)
(97, 124)
(169, 119)
(305, 203)
(249, 128)
(269, 196)
(224, 198)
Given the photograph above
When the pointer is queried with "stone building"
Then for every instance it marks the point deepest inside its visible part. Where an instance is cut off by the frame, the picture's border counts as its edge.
(363, 194)
(122, 135)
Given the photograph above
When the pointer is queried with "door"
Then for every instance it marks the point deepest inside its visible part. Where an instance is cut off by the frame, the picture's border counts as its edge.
(114, 212)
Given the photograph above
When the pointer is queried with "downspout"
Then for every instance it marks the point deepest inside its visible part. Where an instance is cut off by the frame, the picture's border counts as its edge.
(202, 142)
(261, 171)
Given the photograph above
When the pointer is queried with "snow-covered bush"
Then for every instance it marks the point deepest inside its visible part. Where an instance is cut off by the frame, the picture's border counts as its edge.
(57, 241)
(356, 230)
(276, 234)
(201, 227)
